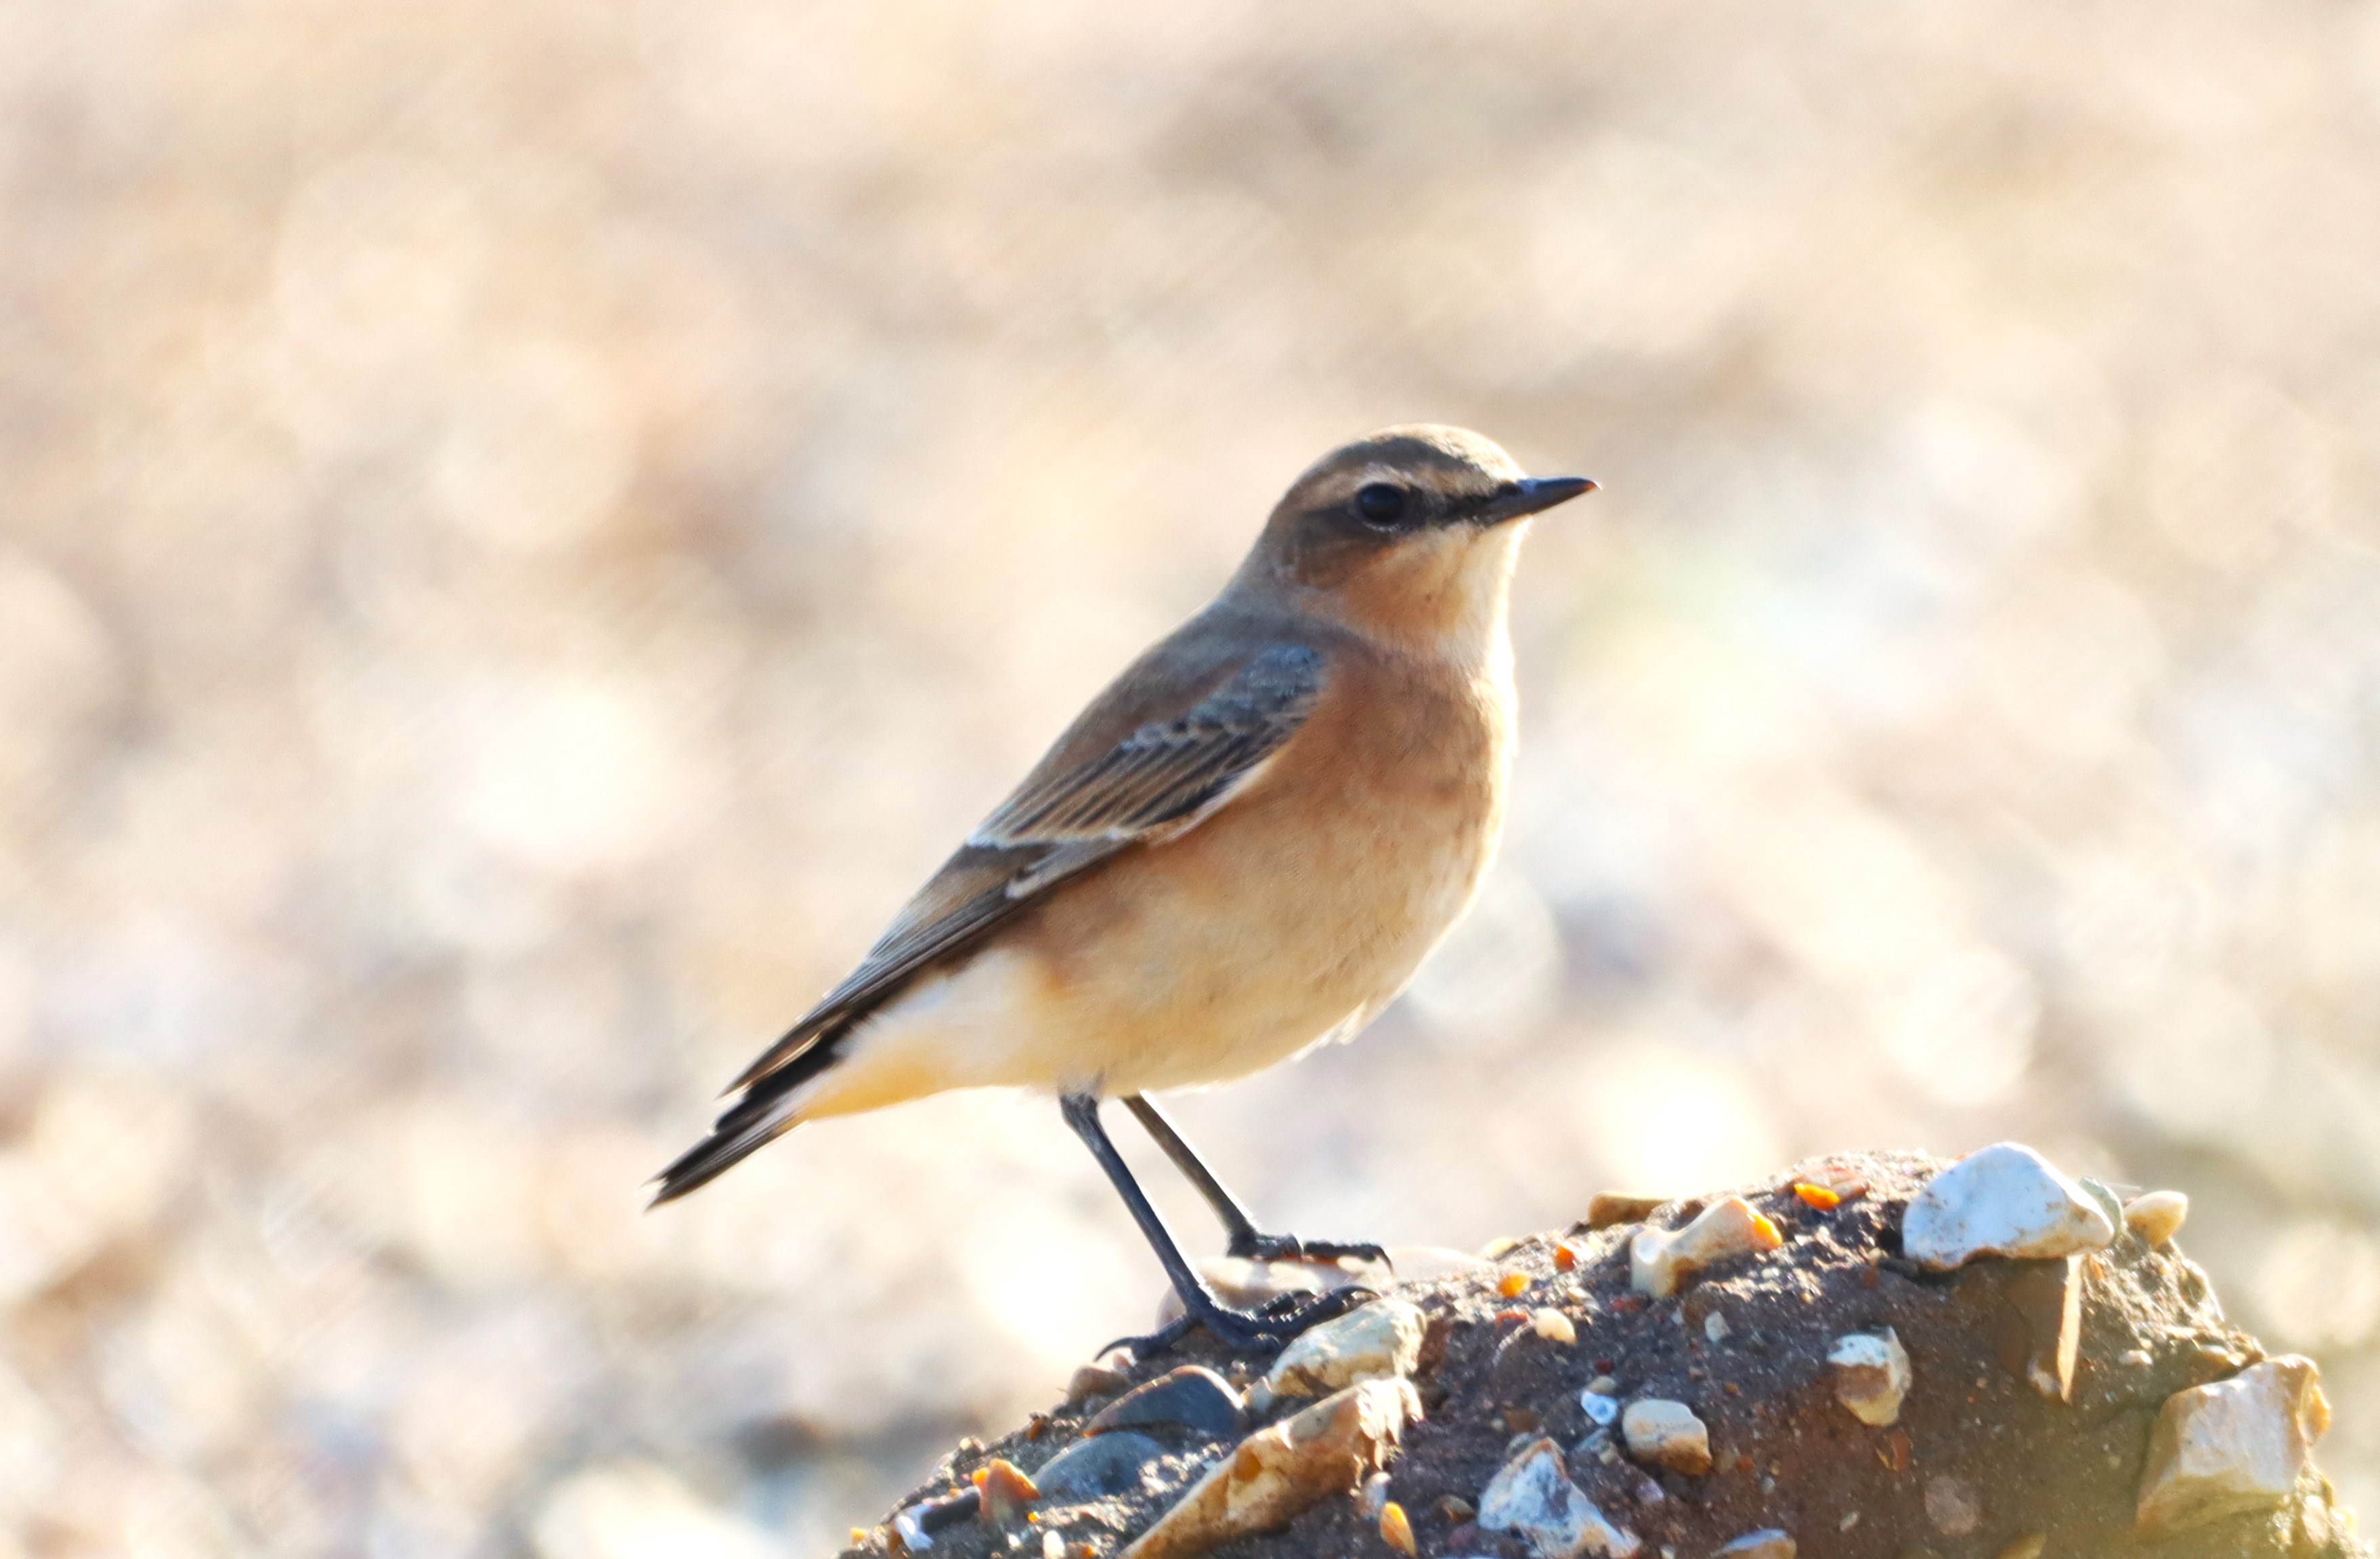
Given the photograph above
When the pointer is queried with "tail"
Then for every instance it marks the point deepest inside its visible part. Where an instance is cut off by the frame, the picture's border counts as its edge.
(766, 1112)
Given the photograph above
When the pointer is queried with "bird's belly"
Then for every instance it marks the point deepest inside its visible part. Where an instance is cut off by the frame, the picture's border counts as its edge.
(1256, 940)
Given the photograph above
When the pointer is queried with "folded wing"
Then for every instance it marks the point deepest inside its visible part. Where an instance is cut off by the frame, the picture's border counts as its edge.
(1163, 778)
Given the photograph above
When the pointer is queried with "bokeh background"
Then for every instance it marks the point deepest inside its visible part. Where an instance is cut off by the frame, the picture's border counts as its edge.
(526, 529)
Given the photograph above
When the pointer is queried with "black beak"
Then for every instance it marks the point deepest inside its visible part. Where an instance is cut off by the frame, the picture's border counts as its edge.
(1527, 496)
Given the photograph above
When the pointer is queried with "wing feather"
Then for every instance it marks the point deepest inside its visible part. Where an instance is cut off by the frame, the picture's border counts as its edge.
(1164, 777)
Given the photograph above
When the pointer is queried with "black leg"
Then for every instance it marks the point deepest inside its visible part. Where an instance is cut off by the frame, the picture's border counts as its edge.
(1246, 1240)
(1269, 1327)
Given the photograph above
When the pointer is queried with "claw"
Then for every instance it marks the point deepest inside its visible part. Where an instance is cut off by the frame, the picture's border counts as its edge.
(1270, 1326)
(1289, 1247)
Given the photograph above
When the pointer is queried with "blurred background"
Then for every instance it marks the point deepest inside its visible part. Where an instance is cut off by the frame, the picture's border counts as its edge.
(526, 530)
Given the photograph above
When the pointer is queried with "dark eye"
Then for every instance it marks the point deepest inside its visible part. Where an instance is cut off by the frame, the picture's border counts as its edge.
(1380, 504)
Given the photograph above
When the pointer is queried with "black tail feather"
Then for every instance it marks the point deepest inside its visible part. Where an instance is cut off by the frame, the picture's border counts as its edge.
(753, 1121)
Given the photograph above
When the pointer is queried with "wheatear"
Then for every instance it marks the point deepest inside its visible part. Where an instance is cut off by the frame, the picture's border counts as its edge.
(1244, 847)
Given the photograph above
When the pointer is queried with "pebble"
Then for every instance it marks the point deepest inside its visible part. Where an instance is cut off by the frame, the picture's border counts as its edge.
(1601, 1409)
(1328, 1448)
(2005, 1200)
(1003, 1491)
(1610, 1208)
(1375, 1497)
(1715, 1328)
(1666, 1434)
(1952, 1506)
(2237, 1444)
(2047, 1296)
(1553, 1325)
(1191, 1398)
(1872, 1376)
(1097, 1467)
(1658, 1260)
(1532, 1497)
(1769, 1542)
(1377, 1341)
(1396, 1529)
(2158, 1216)
(2026, 1547)
(1102, 1377)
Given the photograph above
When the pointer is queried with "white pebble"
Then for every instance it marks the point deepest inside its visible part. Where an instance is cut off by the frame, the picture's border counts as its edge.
(2005, 1200)
(1666, 1434)
(1553, 1325)
(1872, 1376)
(2158, 1216)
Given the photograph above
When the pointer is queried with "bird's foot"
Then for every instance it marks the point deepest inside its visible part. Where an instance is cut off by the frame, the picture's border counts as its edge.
(1257, 1246)
(1269, 1325)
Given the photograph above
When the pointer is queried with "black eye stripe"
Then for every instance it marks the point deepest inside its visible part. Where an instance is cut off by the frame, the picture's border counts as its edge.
(1380, 503)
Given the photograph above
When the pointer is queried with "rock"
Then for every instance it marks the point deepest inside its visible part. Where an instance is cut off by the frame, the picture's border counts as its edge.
(1396, 1529)
(1666, 1434)
(2028, 1547)
(1612, 1208)
(1952, 1506)
(1004, 1490)
(1192, 1398)
(1553, 1325)
(1533, 1498)
(1601, 1407)
(2001, 1201)
(1872, 1376)
(1327, 1449)
(1380, 1339)
(1658, 1260)
(2237, 1444)
(916, 1525)
(1102, 1377)
(1097, 1467)
(1376, 1495)
(2038, 1325)
(1769, 1542)
(2158, 1216)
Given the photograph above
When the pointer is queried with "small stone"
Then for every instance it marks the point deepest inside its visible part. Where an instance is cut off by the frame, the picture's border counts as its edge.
(1666, 1434)
(1328, 1448)
(2237, 1444)
(2039, 1327)
(1872, 1376)
(1191, 1397)
(1395, 1530)
(2136, 1359)
(1375, 1497)
(1658, 1260)
(1769, 1542)
(1379, 1340)
(1610, 1208)
(2028, 1547)
(1952, 1506)
(2157, 1218)
(2005, 1200)
(1553, 1325)
(1604, 1385)
(1533, 1498)
(1454, 1508)
(1098, 1378)
(1095, 1467)
(915, 1528)
(1715, 1328)
(1003, 1491)
(1600, 1408)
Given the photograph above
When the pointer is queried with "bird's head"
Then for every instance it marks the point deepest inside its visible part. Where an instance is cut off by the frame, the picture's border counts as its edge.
(1406, 535)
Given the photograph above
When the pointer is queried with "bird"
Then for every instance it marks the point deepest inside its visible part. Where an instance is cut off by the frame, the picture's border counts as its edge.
(1244, 847)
